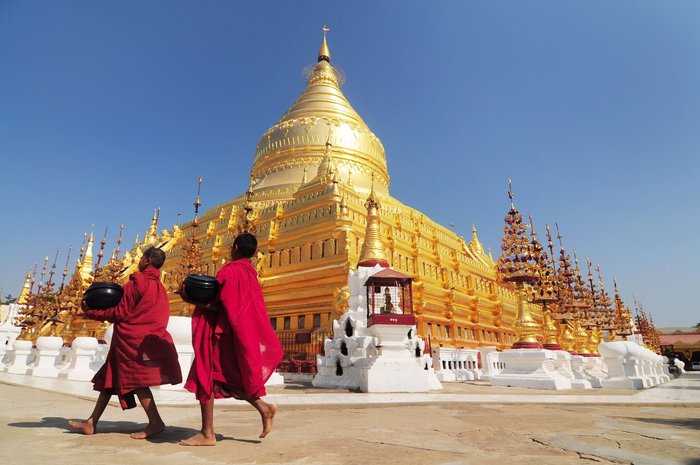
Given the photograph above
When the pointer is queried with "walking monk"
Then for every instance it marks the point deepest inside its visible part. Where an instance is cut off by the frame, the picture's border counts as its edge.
(142, 353)
(235, 348)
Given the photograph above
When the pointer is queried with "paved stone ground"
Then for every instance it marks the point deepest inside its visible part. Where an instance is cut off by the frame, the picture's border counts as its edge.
(33, 430)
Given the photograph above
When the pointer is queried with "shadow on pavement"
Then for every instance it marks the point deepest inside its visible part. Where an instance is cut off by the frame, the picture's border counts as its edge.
(48, 422)
(172, 434)
(693, 423)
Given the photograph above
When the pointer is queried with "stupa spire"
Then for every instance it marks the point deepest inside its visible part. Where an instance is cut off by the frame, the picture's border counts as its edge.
(152, 234)
(328, 168)
(26, 288)
(475, 243)
(324, 53)
(372, 249)
(86, 265)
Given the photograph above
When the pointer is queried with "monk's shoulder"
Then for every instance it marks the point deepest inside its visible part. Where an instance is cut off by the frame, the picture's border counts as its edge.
(136, 278)
(237, 270)
(137, 282)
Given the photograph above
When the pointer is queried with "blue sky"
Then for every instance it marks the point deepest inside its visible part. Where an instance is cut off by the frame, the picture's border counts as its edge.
(110, 109)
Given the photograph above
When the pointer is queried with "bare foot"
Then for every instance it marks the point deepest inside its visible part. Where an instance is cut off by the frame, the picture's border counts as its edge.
(267, 418)
(199, 439)
(149, 432)
(85, 427)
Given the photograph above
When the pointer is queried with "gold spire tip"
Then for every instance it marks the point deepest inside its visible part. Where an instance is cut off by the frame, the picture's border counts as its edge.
(324, 53)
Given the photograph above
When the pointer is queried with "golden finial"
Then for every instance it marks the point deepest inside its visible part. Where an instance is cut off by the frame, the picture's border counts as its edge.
(304, 178)
(198, 202)
(191, 251)
(604, 304)
(119, 241)
(43, 273)
(327, 167)
(31, 287)
(65, 268)
(550, 244)
(53, 268)
(592, 298)
(372, 249)
(475, 243)
(100, 254)
(248, 207)
(26, 288)
(324, 52)
(371, 197)
(86, 260)
(343, 205)
(82, 247)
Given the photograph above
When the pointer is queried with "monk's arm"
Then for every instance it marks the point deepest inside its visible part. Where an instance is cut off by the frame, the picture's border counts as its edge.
(230, 293)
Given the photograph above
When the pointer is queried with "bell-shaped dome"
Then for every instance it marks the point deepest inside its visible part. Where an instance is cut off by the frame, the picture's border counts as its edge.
(320, 116)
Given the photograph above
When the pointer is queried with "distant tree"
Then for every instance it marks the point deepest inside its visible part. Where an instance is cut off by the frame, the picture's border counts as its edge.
(9, 299)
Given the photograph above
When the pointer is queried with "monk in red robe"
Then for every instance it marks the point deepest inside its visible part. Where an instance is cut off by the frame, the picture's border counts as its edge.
(235, 348)
(142, 352)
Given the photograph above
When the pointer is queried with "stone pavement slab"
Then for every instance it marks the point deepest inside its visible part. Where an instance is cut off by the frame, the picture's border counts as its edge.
(33, 430)
(681, 391)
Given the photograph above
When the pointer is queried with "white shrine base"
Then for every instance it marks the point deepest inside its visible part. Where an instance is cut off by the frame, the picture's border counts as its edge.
(571, 367)
(530, 368)
(377, 358)
(595, 370)
(395, 369)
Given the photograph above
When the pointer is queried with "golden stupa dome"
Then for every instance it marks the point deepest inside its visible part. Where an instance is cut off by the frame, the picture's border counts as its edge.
(298, 141)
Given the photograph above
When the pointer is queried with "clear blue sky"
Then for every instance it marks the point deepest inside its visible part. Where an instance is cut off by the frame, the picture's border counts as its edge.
(110, 109)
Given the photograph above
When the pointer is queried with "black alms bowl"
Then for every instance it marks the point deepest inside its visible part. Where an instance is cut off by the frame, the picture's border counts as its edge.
(200, 289)
(100, 296)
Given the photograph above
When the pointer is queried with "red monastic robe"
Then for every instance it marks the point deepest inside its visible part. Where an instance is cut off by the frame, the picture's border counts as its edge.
(235, 348)
(142, 352)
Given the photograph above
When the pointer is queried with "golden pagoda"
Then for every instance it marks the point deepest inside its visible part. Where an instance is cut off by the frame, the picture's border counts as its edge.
(313, 172)
(318, 201)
